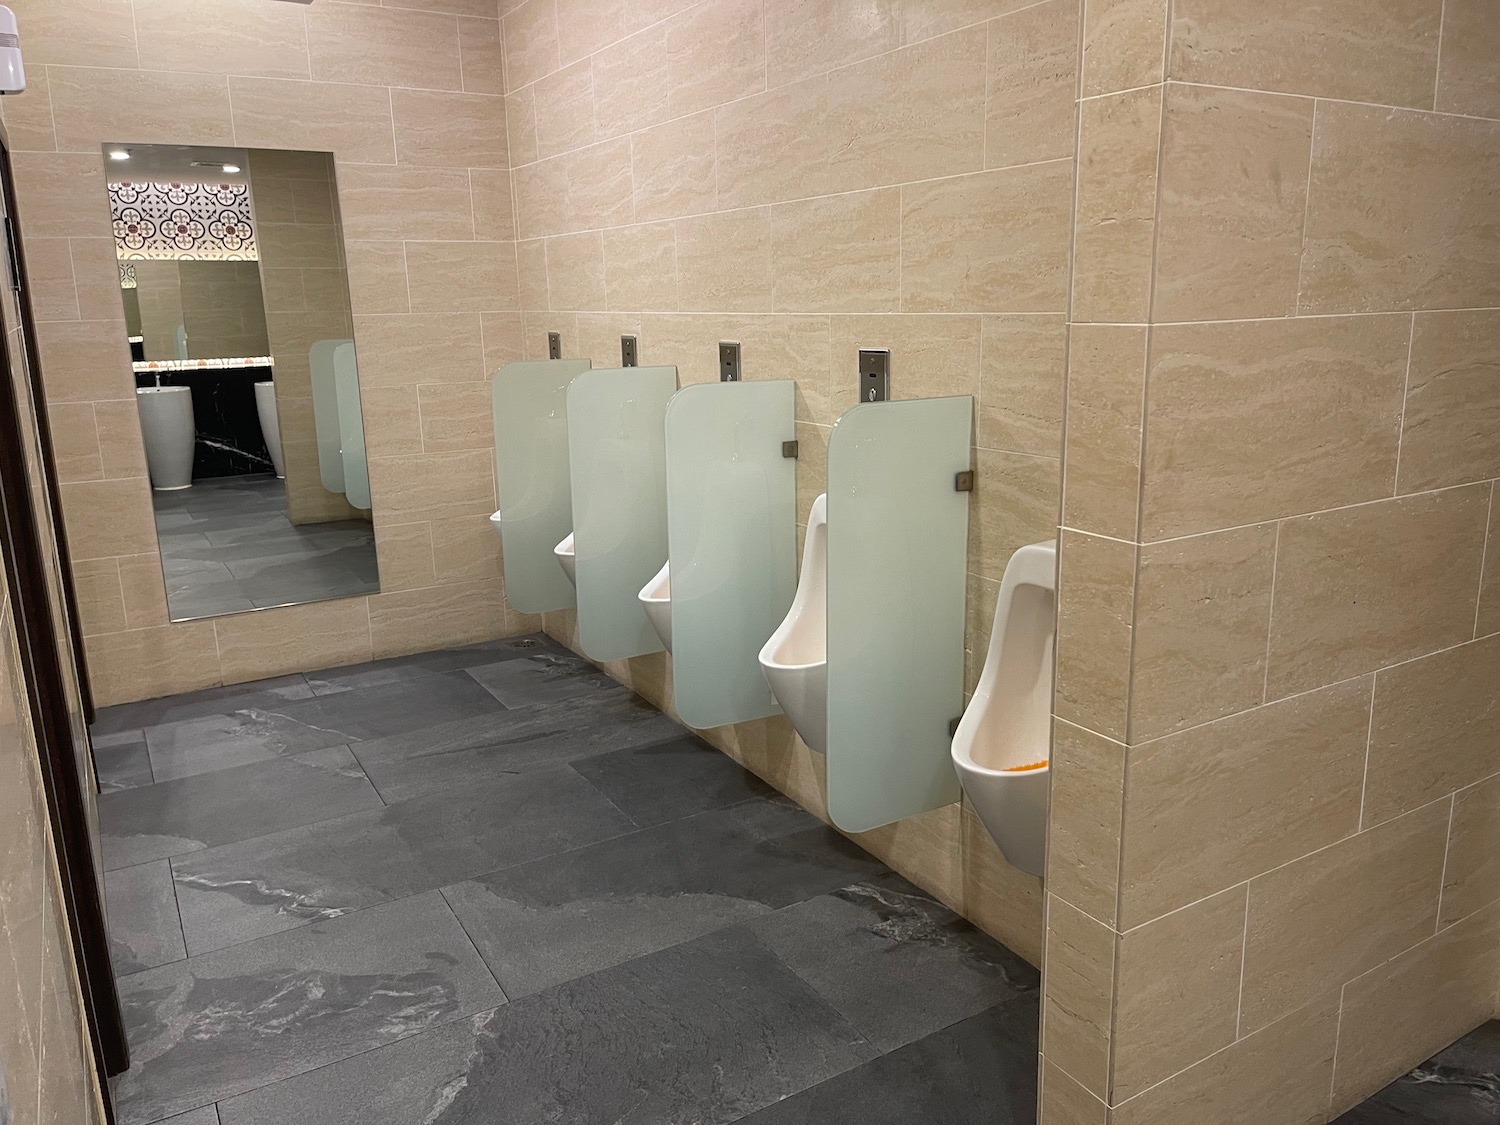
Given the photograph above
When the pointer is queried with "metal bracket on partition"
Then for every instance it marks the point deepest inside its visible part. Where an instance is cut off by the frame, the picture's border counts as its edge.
(729, 361)
(789, 449)
(627, 351)
(554, 345)
(964, 481)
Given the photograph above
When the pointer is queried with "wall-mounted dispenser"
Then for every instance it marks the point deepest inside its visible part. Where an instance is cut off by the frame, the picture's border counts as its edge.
(617, 467)
(529, 401)
(732, 514)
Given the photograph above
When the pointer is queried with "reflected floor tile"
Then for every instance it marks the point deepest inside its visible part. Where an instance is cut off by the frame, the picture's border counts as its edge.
(143, 927)
(219, 807)
(1457, 1086)
(559, 918)
(391, 709)
(898, 964)
(541, 678)
(667, 780)
(199, 704)
(250, 734)
(705, 1032)
(982, 1070)
(217, 1025)
(121, 761)
(276, 882)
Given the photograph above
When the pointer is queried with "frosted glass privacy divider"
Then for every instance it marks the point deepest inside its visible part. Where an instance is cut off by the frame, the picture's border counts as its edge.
(897, 555)
(326, 413)
(732, 530)
(351, 427)
(529, 404)
(617, 451)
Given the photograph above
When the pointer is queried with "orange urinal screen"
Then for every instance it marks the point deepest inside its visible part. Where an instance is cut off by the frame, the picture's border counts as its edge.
(1029, 766)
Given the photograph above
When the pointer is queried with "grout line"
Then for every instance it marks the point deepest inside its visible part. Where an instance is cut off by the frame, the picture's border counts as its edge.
(1338, 101)
(1437, 926)
(473, 944)
(1411, 340)
(1484, 558)
(1338, 1032)
(1437, 71)
(1265, 679)
(1312, 142)
(1364, 783)
(1239, 1005)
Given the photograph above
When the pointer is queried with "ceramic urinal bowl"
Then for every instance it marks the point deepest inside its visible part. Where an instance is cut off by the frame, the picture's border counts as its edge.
(567, 558)
(167, 429)
(270, 429)
(1008, 723)
(656, 600)
(795, 659)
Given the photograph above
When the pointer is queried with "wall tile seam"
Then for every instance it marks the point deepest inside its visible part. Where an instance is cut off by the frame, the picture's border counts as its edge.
(1437, 70)
(1364, 780)
(1437, 922)
(1265, 679)
(1484, 560)
(1411, 341)
(1300, 316)
(1323, 98)
(230, 76)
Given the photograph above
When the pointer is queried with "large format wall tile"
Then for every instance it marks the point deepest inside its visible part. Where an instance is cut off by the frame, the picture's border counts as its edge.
(1452, 401)
(1471, 875)
(1123, 43)
(838, 253)
(251, 39)
(1077, 1008)
(1022, 374)
(1106, 396)
(1467, 81)
(1033, 78)
(391, 46)
(1095, 619)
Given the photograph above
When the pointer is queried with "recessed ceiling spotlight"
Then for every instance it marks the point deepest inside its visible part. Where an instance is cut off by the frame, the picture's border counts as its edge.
(231, 168)
(118, 154)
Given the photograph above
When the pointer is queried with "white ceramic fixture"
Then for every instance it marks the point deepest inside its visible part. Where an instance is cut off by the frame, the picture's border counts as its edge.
(567, 558)
(167, 428)
(1008, 724)
(265, 406)
(795, 659)
(656, 599)
(495, 526)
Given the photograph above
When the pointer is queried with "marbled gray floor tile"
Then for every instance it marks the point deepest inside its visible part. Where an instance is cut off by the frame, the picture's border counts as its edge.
(679, 777)
(1457, 1086)
(978, 1072)
(702, 1033)
(200, 704)
(222, 806)
(555, 919)
(462, 752)
(121, 761)
(219, 742)
(543, 678)
(396, 669)
(227, 1022)
(203, 1115)
(276, 882)
(898, 964)
(396, 708)
(144, 930)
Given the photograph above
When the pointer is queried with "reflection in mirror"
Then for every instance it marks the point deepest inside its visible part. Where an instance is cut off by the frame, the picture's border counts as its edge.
(237, 311)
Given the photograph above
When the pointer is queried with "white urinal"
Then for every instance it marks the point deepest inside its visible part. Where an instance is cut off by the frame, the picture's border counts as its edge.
(495, 524)
(1008, 724)
(656, 600)
(795, 659)
(567, 558)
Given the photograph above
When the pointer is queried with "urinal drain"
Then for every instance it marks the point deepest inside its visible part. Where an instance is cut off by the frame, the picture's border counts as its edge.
(527, 644)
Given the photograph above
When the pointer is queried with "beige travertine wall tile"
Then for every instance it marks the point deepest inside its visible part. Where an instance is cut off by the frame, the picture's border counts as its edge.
(28, 118)
(1394, 217)
(1096, 589)
(640, 267)
(809, 37)
(96, 279)
(715, 54)
(724, 261)
(1124, 45)
(404, 554)
(575, 271)
(1233, 196)
(387, 202)
(444, 277)
(1239, 427)
(631, 86)
(494, 209)
(1005, 903)
(1078, 990)
(433, 486)
(913, 114)
(75, 442)
(586, 189)
(1106, 388)
(1203, 609)
(1383, 51)
(673, 168)
(79, 32)
(389, 46)
(1330, 916)
(446, 130)
(1032, 81)
(431, 348)
(137, 663)
(812, 467)
(564, 102)
(1065, 1102)
(503, 333)
(49, 270)
(465, 550)
(1014, 503)
(1435, 728)
(839, 253)
(377, 277)
(437, 617)
(321, 635)
(932, 356)
(120, 447)
(926, 18)
(1114, 214)
(529, 32)
(456, 417)
(1232, 1086)
(1487, 620)
(198, 35)
(143, 589)
(101, 605)
(139, 106)
(481, 55)
(531, 271)
(108, 517)
(1021, 378)
(982, 594)
(1213, 806)
(1177, 991)
(63, 192)
(1367, 586)
(1471, 874)
(1467, 80)
(392, 423)
(352, 122)
(1083, 832)
(1434, 993)
(1452, 401)
(994, 241)
(520, 125)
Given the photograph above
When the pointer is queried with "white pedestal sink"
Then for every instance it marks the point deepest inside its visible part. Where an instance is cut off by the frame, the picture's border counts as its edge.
(167, 427)
(265, 406)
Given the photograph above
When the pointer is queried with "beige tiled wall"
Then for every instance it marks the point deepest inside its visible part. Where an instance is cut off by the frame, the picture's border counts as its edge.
(409, 101)
(1274, 813)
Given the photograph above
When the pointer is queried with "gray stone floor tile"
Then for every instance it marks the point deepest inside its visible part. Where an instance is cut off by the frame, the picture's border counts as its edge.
(1457, 1086)
(396, 708)
(703, 1033)
(219, 742)
(558, 918)
(122, 761)
(240, 891)
(198, 705)
(203, 1115)
(682, 776)
(220, 1024)
(543, 678)
(219, 807)
(144, 930)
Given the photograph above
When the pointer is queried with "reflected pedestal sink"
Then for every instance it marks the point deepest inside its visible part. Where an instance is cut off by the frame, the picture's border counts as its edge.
(265, 406)
(167, 427)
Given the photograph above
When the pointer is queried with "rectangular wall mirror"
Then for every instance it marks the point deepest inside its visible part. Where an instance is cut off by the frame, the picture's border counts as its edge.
(236, 298)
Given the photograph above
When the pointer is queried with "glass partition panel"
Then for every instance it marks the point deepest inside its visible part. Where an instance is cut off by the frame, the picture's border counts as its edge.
(897, 556)
(617, 451)
(530, 409)
(732, 516)
(351, 427)
(325, 399)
